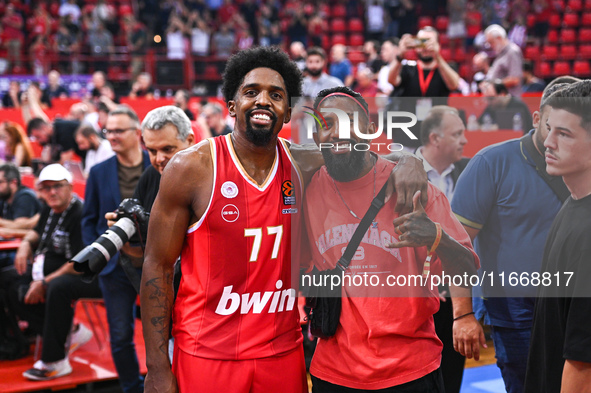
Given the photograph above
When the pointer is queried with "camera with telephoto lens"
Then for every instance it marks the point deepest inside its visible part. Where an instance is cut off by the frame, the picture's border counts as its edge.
(131, 225)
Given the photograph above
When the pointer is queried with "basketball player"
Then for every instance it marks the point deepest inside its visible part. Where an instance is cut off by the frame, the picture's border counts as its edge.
(227, 206)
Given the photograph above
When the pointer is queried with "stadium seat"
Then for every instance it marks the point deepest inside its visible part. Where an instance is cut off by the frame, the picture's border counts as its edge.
(211, 72)
(443, 40)
(532, 52)
(587, 5)
(553, 36)
(568, 52)
(356, 56)
(555, 21)
(544, 70)
(446, 53)
(465, 71)
(586, 19)
(338, 25)
(550, 52)
(570, 20)
(585, 51)
(325, 42)
(531, 20)
(441, 23)
(574, 5)
(585, 36)
(568, 36)
(338, 11)
(338, 39)
(356, 25)
(459, 55)
(425, 21)
(581, 68)
(356, 40)
(561, 68)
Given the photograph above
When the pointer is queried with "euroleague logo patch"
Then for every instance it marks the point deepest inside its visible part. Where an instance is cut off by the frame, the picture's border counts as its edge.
(229, 189)
(287, 192)
(230, 213)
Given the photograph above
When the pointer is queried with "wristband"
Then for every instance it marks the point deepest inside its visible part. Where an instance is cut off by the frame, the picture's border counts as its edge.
(427, 264)
(465, 315)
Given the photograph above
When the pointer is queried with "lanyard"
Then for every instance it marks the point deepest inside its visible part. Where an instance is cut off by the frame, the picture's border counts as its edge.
(43, 247)
(424, 83)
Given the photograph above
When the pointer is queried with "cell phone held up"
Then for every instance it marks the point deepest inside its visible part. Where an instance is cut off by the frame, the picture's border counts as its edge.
(416, 42)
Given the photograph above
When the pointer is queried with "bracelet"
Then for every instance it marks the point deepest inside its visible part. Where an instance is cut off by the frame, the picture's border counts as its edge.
(437, 238)
(465, 315)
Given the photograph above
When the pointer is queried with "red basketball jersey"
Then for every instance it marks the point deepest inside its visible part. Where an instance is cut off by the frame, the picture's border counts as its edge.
(237, 297)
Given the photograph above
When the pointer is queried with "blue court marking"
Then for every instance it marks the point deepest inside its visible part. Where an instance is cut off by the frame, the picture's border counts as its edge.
(484, 379)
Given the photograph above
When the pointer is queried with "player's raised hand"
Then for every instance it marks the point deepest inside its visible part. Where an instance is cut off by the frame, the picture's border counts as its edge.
(414, 229)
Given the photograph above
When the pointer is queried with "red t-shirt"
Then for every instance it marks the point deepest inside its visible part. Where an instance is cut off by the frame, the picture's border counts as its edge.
(382, 340)
(237, 296)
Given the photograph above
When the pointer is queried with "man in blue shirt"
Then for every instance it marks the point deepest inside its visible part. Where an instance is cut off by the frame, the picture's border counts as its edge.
(506, 205)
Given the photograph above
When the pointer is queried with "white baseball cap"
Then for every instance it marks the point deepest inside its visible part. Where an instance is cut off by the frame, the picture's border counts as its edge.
(55, 172)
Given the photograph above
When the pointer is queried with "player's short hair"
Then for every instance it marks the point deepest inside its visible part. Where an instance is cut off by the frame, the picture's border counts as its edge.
(555, 85)
(157, 118)
(574, 99)
(433, 121)
(274, 58)
(344, 90)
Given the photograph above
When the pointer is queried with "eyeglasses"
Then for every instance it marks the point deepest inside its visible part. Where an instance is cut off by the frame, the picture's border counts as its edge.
(116, 131)
(55, 187)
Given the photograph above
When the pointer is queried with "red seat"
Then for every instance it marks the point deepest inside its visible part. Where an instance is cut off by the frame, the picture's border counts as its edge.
(441, 23)
(553, 36)
(425, 21)
(544, 70)
(558, 5)
(459, 55)
(443, 40)
(587, 5)
(531, 21)
(325, 42)
(338, 39)
(211, 72)
(356, 25)
(338, 25)
(561, 68)
(574, 5)
(532, 52)
(356, 40)
(570, 20)
(582, 68)
(338, 11)
(555, 20)
(356, 56)
(445, 53)
(568, 36)
(586, 19)
(585, 36)
(568, 52)
(465, 71)
(550, 52)
(585, 51)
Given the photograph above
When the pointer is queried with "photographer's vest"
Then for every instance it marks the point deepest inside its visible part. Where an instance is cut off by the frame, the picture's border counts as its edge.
(236, 298)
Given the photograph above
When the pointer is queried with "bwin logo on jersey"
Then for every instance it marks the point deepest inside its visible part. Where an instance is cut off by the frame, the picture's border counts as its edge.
(281, 300)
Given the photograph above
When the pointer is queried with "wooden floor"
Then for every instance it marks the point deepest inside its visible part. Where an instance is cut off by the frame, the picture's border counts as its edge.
(90, 363)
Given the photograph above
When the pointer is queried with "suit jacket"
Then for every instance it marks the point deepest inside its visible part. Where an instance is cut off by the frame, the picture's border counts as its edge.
(458, 169)
(102, 195)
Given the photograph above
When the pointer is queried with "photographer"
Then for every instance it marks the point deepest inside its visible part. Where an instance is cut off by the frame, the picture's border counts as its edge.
(44, 295)
(165, 131)
(422, 80)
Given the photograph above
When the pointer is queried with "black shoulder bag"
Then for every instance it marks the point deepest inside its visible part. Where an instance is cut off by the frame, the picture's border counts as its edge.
(323, 304)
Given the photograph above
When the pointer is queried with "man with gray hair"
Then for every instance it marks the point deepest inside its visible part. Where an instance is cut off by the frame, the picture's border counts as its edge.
(108, 184)
(508, 64)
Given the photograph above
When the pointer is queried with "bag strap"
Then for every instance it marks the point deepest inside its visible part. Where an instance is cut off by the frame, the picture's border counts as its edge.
(376, 204)
(555, 182)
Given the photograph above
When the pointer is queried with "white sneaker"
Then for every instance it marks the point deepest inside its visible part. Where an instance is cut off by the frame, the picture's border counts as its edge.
(42, 371)
(79, 337)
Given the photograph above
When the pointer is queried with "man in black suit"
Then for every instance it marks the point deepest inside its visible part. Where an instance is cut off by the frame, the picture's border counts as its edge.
(442, 135)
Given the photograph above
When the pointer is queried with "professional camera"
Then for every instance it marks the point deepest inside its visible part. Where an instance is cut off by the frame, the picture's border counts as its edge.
(131, 225)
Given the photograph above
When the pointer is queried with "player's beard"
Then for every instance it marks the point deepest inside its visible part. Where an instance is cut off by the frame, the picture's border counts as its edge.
(259, 136)
(345, 167)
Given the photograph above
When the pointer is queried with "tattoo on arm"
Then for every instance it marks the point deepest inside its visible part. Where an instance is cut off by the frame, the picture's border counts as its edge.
(159, 295)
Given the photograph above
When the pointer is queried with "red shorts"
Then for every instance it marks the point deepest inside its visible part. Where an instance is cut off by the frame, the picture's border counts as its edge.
(286, 374)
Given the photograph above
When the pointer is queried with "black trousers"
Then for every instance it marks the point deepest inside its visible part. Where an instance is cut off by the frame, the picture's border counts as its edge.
(54, 317)
(430, 383)
(452, 363)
